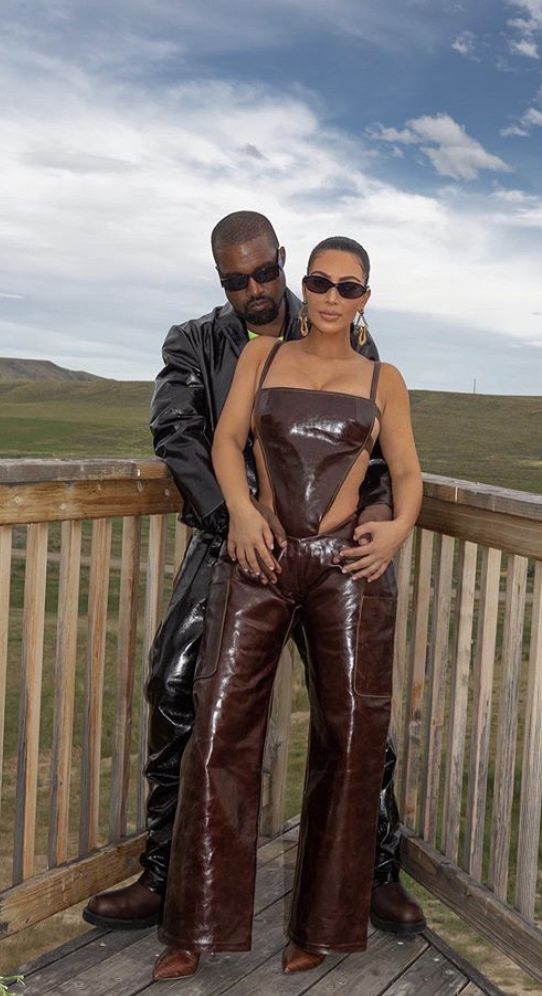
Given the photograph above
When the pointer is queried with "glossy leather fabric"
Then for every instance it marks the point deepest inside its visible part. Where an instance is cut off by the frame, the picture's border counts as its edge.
(209, 899)
(172, 665)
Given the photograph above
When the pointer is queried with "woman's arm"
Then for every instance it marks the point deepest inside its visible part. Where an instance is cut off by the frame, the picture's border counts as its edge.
(249, 535)
(397, 443)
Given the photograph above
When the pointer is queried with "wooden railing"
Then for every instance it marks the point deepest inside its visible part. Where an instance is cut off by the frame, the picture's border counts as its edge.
(468, 708)
(92, 548)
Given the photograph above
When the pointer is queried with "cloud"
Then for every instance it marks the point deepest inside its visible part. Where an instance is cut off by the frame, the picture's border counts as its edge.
(532, 117)
(465, 44)
(451, 151)
(525, 47)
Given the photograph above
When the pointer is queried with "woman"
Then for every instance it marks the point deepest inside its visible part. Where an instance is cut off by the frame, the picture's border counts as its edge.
(316, 408)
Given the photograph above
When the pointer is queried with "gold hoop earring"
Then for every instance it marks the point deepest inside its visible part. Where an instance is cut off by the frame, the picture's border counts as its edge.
(361, 329)
(304, 321)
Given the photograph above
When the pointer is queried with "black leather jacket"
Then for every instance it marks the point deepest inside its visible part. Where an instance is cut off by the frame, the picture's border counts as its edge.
(200, 357)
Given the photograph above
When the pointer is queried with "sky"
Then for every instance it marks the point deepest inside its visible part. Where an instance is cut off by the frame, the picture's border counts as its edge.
(414, 126)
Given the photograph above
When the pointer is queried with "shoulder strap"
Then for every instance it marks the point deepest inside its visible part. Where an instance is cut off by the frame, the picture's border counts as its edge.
(374, 381)
(269, 359)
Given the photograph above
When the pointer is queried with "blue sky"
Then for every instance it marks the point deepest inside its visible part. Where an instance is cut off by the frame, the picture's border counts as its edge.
(414, 126)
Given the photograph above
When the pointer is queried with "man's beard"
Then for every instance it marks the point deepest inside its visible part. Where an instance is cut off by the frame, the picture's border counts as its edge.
(261, 316)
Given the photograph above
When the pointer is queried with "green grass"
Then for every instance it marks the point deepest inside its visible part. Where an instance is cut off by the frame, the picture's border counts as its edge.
(486, 438)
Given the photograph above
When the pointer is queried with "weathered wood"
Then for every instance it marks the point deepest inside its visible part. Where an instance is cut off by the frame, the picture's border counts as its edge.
(275, 762)
(153, 610)
(65, 664)
(487, 497)
(455, 958)
(506, 928)
(457, 720)
(57, 501)
(531, 777)
(436, 681)
(126, 652)
(58, 888)
(5, 584)
(416, 676)
(26, 471)
(96, 948)
(404, 567)
(30, 701)
(505, 532)
(98, 591)
(507, 727)
(370, 972)
(430, 975)
(481, 716)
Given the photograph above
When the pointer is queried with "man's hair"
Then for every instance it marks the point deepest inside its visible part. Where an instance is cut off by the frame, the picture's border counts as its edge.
(343, 244)
(239, 227)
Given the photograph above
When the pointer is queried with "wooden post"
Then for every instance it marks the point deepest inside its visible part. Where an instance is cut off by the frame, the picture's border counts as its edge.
(5, 582)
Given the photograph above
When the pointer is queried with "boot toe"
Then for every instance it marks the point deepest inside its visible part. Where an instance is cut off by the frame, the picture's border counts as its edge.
(294, 959)
(175, 963)
(395, 911)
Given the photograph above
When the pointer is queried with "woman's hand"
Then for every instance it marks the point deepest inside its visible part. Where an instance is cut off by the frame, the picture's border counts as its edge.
(377, 544)
(251, 540)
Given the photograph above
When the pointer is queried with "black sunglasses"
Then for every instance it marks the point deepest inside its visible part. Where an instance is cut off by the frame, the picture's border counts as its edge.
(263, 275)
(346, 288)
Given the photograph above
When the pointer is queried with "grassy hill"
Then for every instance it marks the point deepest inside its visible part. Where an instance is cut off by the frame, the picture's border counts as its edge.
(488, 438)
(15, 368)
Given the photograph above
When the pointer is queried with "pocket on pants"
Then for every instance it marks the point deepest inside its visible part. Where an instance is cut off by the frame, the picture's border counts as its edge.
(374, 661)
(215, 617)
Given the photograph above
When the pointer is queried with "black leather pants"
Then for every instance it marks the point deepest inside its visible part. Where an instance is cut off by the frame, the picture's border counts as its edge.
(173, 659)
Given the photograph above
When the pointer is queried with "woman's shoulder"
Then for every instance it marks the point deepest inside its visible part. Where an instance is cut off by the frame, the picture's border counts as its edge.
(392, 384)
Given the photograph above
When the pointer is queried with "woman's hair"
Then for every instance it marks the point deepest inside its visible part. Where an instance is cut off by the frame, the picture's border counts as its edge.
(343, 244)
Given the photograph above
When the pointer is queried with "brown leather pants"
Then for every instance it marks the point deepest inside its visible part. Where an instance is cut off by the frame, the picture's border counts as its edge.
(210, 890)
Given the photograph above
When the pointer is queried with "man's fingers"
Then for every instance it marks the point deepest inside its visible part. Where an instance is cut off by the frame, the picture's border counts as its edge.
(279, 531)
(268, 572)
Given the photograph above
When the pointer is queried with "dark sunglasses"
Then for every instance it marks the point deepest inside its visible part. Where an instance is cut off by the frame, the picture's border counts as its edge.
(346, 288)
(263, 275)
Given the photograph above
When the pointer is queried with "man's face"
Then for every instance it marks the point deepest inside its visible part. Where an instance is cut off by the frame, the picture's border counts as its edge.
(258, 303)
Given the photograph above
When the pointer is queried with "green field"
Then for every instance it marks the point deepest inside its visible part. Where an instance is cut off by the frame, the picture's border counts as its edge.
(486, 438)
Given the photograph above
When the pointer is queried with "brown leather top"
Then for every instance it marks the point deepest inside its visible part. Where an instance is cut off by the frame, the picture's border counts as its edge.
(310, 440)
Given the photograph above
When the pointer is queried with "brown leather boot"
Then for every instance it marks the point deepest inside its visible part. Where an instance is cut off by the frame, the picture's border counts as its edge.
(175, 963)
(294, 959)
(132, 908)
(395, 911)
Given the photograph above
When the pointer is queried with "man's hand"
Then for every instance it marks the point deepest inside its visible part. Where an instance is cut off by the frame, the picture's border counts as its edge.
(358, 560)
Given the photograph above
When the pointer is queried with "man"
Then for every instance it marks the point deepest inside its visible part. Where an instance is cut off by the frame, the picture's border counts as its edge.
(200, 358)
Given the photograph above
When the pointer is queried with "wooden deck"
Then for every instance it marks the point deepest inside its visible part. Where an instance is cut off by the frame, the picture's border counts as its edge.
(119, 963)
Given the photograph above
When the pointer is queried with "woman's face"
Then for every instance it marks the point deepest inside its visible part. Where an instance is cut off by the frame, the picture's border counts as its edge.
(331, 312)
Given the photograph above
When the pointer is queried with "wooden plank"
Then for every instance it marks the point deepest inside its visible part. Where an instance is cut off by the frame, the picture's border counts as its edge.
(98, 592)
(153, 610)
(25, 471)
(457, 720)
(481, 716)
(436, 681)
(404, 569)
(416, 677)
(472, 990)
(489, 497)
(430, 975)
(477, 978)
(531, 776)
(30, 702)
(56, 501)
(370, 972)
(97, 947)
(507, 727)
(505, 532)
(479, 907)
(65, 664)
(126, 652)
(276, 746)
(5, 584)
(59, 888)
